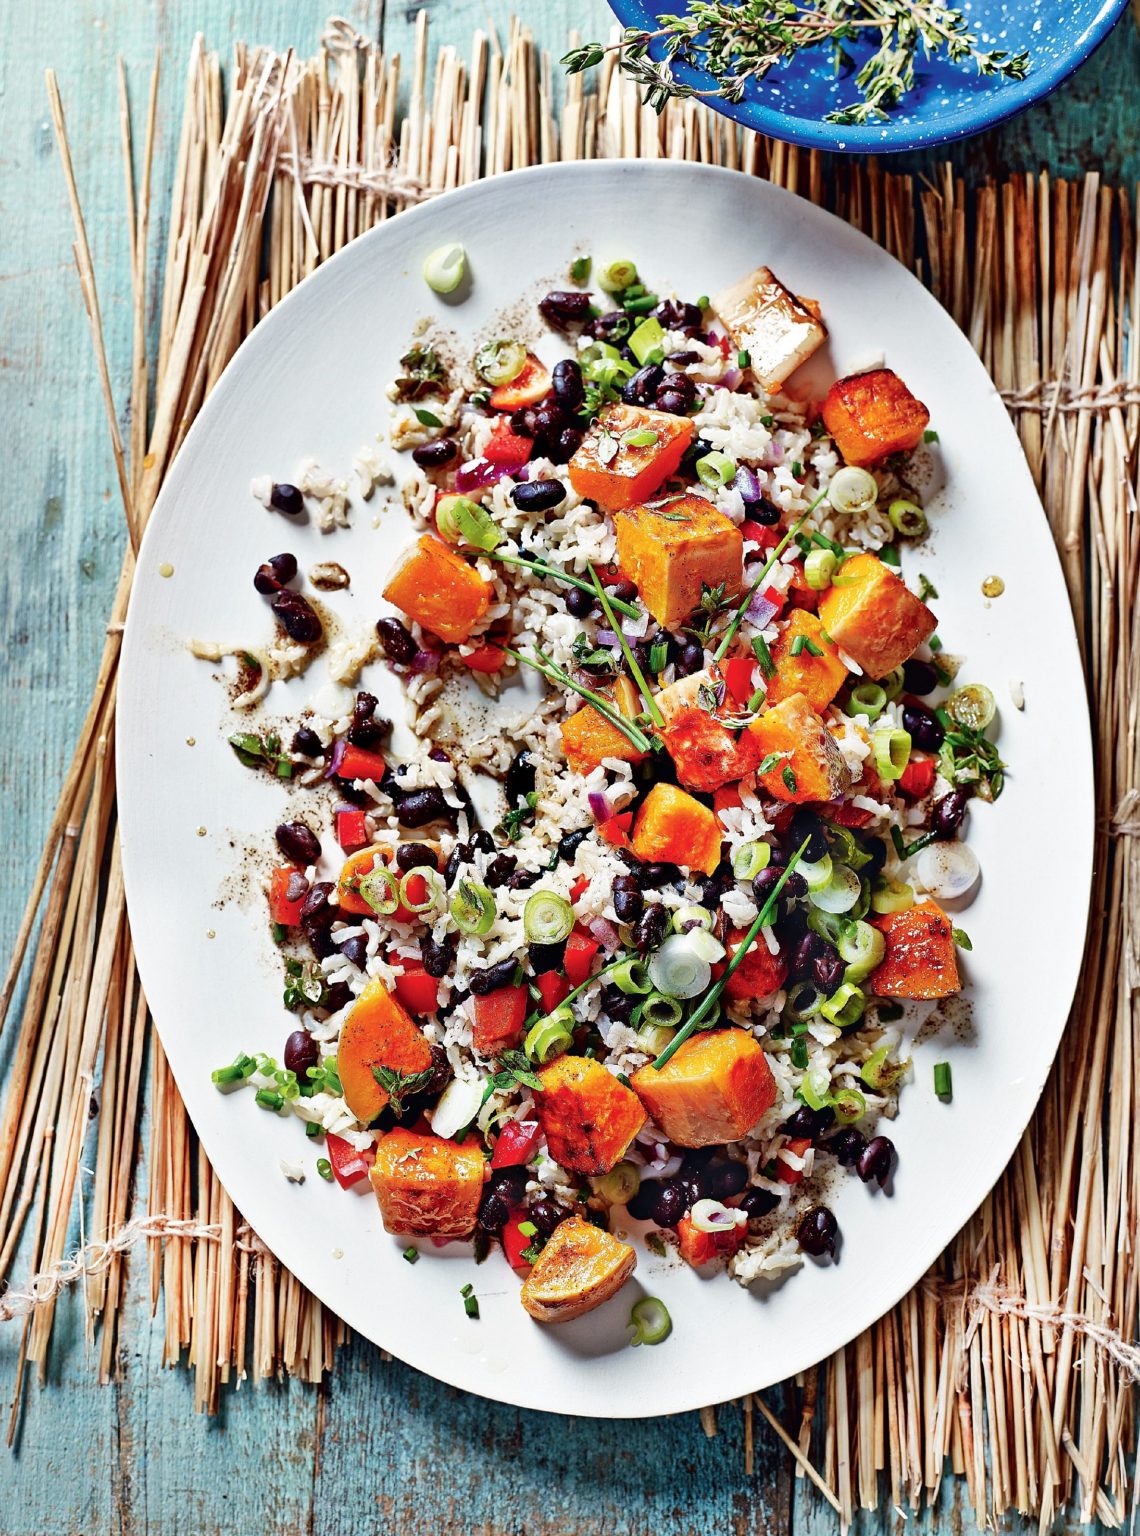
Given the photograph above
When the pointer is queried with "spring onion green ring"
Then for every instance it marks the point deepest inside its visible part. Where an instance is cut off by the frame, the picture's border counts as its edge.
(547, 918)
(820, 566)
(379, 889)
(473, 908)
(862, 948)
(891, 749)
(845, 1006)
(677, 968)
(660, 1012)
(687, 918)
(849, 1105)
(891, 896)
(551, 1036)
(631, 977)
(907, 518)
(650, 1321)
(619, 1185)
(749, 859)
(500, 361)
(445, 267)
(867, 699)
(435, 889)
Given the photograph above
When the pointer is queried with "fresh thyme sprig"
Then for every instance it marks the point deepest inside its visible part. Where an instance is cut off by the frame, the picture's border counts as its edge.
(736, 41)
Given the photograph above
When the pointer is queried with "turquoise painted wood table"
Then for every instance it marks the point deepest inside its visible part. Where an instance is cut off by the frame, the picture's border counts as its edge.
(382, 1448)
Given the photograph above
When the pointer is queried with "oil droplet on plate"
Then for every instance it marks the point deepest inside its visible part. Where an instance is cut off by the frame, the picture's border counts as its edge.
(201, 831)
(166, 569)
(210, 934)
(191, 741)
(993, 586)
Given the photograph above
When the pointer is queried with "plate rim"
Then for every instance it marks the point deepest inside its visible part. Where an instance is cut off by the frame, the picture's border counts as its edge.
(891, 1293)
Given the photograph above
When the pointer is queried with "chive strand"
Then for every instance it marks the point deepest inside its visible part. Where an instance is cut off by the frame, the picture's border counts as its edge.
(553, 673)
(542, 569)
(738, 617)
(638, 676)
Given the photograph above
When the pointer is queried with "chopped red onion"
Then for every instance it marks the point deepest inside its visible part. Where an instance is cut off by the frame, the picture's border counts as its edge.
(761, 611)
(605, 933)
(773, 454)
(477, 474)
(730, 379)
(336, 759)
(600, 806)
(424, 661)
(607, 637)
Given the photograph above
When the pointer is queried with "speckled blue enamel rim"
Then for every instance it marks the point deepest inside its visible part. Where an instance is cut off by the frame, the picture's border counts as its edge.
(949, 103)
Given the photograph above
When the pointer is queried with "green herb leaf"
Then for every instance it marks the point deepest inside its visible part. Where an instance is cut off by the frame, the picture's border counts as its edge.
(425, 417)
(961, 938)
(580, 269)
(926, 587)
(423, 374)
(262, 752)
(516, 1067)
(789, 778)
(400, 1086)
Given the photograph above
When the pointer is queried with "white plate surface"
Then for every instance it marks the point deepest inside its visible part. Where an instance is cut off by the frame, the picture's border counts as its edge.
(311, 380)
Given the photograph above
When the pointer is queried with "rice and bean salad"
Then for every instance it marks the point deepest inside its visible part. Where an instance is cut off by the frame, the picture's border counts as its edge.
(658, 996)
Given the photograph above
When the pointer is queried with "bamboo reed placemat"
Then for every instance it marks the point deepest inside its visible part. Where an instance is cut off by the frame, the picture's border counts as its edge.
(1013, 1363)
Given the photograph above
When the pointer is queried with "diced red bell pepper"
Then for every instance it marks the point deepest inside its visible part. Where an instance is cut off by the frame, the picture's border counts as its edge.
(580, 952)
(359, 764)
(517, 1141)
(616, 830)
(351, 829)
(759, 533)
(281, 909)
(552, 989)
(697, 1247)
(417, 890)
(486, 658)
(348, 1165)
(799, 594)
(579, 888)
(418, 991)
(844, 815)
(526, 388)
(507, 449)
(784, 1172)
(514, 1241)
(499, 1018)
(738, 679)
(917, 778)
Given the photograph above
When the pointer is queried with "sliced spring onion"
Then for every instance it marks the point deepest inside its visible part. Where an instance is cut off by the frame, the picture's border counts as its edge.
(619, 1186)
(650, 1321)
(829, 925)
(972, 706)
(879, 1072)
(379, 889)
(237, 1071)
(677, 968)
(943, 1082)
(845, 1006)
(500, 361)
(473, 907)
(660, 1012)
(434, 895)
(907, 518)
(653, 1038)
(853, 490)
(324, 1168)
(849, 1105)
(706, 944)
(658, 655)
(891, 896)
(444, 267)
(617, 276)
(749, 859)
(866, 699)
(645, 438)
(820, 565)
(948, 870)
(814, 1087)
(647, 338)
(458, 1105)
(547, 918)
(863, 948)
(551, 1036)
(716, 469)
(845, 847)
(803, 1001)
(891, 749)
(687, 918)
(631, 977)
(840, 893)
(817, 872)
(411, 1255)
(459, 520)
(712, 1216)
(893, 684)
(268, 1098)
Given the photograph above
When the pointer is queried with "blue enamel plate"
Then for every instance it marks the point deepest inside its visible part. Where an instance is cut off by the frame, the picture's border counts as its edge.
(950, 101)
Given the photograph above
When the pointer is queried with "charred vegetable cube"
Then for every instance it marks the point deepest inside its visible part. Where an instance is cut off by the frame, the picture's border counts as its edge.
(627, 455)
(378, 1033)
(588, 737)
(808, 764)
(705, 752)
(587, 1116)
(921, 960)
(776, 329)
(715, 1088)
(425, 1184)
(439, 590)
(874, 617)
(806, 662)
(872, 415)
(673, 828)
(580, 1267)
(676, 551)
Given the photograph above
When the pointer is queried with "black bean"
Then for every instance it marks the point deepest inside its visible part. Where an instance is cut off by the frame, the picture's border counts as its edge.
(947, 814)
(806, 824)
(677, 316)
(925, 731)
(416, 856)
(562, 309)
(697, 1183)
(523, 879)
(481, 840)
(579, 603)
(523, 422)
(827, 969)
(460, 854)
(301, 1053)
(653, 876)
(642, 1205)
(439, 755)
(765, 883)
(919, 677)
(355, 951)
(727, 1179)
(287, 498)
(316, 911)
(538, 495)
(568, 387)
(570, 842)
(307, 742)
(500, 870)
(680, 359)
(628, 900)
(800, 1123)
(433, 455)
(680, 384)
(619, 1005)
(642, 387)
(437, 956)
(671, 1203)
(297, 617)
(714, 886)
(548, 419)
(546, 957)
(690, 658)
(817, 1232)
(801, 966)
(265, 580)
(338, 996)
(758, 1203)
(650, 928)
(569, 441)
(764, 512)
(875, 1160)
(547, 1214)
(441, 1073)
(369, 734)
(417, 807)
(395, 641)
(510, 1183)
(494, 1211)
(624, 591)
(846, 1146)
(520, 778)
(672, 402)
(298, 842)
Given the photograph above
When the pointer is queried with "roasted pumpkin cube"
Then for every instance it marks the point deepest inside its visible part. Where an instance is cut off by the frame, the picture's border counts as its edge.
(673, 828)
(758, 975)
(682, 694)
(615, 473)
(713, 1089)
(766, 320)
(808, 763)
(921, 958)
(588, 737)
(874, 616)
(871, 415)
(587, 1116)
(806, 662)
(580, 1267)
(377, 1033)
(705, 752)
(438, 589)
(675, 551)
(427, 1185)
